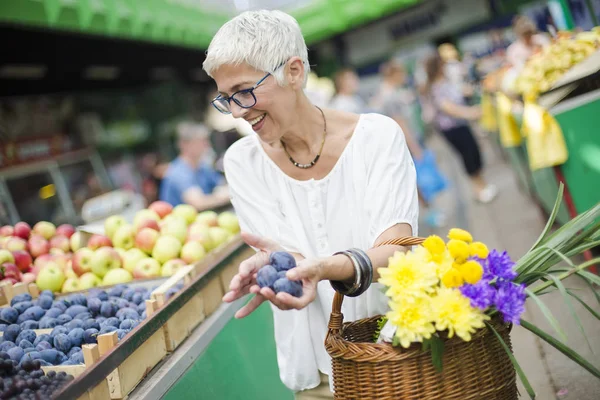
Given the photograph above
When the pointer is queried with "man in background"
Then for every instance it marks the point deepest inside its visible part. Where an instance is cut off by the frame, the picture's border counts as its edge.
(189, 179)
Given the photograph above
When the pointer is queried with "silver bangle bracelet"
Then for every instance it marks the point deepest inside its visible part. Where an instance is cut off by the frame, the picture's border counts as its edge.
(358, 277)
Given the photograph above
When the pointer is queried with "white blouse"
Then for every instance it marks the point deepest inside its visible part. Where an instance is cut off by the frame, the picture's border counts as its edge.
(371, 188)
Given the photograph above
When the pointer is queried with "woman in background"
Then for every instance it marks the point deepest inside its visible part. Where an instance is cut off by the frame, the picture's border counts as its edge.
(452, 117)
(346, 97)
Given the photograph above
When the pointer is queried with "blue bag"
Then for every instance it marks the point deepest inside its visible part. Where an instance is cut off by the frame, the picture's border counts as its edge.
(430, 181)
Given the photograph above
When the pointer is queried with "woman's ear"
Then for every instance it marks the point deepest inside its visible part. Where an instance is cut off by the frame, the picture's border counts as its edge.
(295, 72)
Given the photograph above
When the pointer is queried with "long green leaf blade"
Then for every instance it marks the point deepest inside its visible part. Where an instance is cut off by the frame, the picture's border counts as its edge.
(583, 303)
(563, 292)
(572, 354)
(515, 363)
(552, 218)
(548, 314)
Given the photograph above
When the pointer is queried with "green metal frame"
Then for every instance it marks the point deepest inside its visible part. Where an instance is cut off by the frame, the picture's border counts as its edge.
(180, 25)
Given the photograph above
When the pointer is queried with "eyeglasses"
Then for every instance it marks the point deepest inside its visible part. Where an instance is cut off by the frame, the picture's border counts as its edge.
(244, 98)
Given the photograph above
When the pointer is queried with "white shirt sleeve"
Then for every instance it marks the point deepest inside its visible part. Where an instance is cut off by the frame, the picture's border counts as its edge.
(257, 211)
(391, 181)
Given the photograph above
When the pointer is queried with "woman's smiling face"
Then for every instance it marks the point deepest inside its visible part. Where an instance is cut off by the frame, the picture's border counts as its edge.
(274, 108)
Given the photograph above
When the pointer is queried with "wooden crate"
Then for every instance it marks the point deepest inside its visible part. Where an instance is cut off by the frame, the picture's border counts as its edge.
(8, 291)
(135, 368)
(181, 324)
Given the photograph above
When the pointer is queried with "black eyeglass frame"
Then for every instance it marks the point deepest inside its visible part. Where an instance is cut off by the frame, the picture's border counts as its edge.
(227, 100)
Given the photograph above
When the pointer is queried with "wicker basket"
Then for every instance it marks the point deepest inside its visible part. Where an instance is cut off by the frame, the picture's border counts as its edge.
(479, 369)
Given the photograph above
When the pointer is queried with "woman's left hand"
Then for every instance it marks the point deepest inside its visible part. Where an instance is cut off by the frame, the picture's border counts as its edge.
(308, 271)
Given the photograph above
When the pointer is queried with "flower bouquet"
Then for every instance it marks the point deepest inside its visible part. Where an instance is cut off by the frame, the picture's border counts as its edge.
(452, 305)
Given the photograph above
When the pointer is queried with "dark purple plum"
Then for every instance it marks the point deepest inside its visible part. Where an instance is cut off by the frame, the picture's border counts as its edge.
(282, 261)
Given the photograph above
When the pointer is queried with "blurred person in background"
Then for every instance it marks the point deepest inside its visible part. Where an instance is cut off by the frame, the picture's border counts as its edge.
(188, 179)
(398, 101)
(452, 120)
(529, 41)
(346, 97)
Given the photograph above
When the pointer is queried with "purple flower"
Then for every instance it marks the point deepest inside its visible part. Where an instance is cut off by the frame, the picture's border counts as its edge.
(481, 294)
(498, 266)
(510, 301)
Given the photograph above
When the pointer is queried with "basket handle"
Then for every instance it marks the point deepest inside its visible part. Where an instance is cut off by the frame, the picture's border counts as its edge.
(337, 318)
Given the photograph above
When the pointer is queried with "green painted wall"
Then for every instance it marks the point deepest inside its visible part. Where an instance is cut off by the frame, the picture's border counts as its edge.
(240, 363)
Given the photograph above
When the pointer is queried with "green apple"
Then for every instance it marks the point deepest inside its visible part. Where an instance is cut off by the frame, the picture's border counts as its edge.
(199, 232)
(185, 211)
(175, 228)
(76, 241)
(132, 256)
(143, 215)
(71, 285)
(124, 237)
(229, 221)
(146, 268)
(51, 277)
(219, 235)
(116, 276)
(171, 266)
(166, 248)
(192, 252)
(6, 257)
(45, 228)
(103, 260)
(209, 218)
(121, 252)
(112, 224)
(89, 280)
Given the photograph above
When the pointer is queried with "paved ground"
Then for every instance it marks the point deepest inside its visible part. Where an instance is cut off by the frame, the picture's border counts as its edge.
(513, 223)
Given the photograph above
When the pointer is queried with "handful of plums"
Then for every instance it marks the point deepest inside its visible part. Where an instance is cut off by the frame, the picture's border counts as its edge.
(273, 274)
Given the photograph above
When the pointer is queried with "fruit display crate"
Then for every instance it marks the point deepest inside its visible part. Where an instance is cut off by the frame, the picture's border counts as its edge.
(124, 364)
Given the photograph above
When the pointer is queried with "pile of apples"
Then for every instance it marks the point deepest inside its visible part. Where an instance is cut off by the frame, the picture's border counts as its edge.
(160, 240)
(25, 251)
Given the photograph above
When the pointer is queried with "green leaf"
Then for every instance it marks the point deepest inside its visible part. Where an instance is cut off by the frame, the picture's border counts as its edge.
(548, 314)
(563, 291)
(437, 351)
(583, 303)
(515, 363)
(552, 217)
(572, 354)
(395, 341)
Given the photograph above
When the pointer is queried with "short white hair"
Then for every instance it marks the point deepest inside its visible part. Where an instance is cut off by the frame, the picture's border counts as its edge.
(188, 130)
(262, 39)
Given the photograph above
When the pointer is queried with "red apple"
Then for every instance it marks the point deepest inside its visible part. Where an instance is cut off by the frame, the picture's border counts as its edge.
(97, 241)
(16, 243)
(60, 242)
(81, 261)
(65, 230)
(28, 277)
(148, 223)
(11, 271)
(43, 260)
(35, 270)
(162, 208)
(146, 239)
(23, 260)
(7, 230)
(38, 246)
(22, 230)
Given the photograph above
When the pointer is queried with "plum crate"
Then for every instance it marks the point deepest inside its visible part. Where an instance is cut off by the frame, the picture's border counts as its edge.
(8, 291)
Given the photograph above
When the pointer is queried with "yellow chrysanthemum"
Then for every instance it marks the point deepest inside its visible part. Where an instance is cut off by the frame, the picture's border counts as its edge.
(408, 275)
(434, 244)
(460, 234)
(412, 320)
(443, 261)
(453, 311)
(458, 249)
(471, 271)
(478, 249)
(453, 278)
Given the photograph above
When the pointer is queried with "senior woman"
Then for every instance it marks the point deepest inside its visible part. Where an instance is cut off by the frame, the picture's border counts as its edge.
(312, 182)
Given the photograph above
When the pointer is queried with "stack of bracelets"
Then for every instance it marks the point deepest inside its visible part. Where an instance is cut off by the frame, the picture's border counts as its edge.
(363, 276)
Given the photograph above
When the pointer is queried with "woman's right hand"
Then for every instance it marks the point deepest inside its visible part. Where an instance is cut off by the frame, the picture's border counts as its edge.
(246, 277)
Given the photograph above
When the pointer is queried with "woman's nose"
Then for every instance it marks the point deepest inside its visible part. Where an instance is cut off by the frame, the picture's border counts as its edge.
(237, 111)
